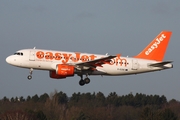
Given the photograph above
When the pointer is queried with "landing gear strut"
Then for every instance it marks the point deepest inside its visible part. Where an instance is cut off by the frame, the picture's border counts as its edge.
(30, 74)
(85, 81)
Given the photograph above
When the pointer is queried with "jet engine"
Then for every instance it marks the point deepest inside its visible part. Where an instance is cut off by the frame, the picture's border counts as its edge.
(62, 71)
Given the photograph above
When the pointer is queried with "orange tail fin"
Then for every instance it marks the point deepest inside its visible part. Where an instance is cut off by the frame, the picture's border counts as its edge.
(157, 48)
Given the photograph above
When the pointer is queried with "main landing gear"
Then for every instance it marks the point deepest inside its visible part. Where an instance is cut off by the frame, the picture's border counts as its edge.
(85, 81)
(30, 74)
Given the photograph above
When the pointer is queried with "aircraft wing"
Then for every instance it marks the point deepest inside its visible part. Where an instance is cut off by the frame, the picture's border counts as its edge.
(97, 62)
(160, 64)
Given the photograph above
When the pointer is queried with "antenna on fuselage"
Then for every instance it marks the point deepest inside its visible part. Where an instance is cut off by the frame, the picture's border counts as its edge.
(34, 48)
(106, 53)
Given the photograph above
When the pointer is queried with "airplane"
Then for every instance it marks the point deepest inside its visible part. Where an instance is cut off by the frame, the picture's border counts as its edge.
(62, 64)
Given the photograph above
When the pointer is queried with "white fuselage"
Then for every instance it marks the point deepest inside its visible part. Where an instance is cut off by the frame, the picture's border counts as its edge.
(48, 59)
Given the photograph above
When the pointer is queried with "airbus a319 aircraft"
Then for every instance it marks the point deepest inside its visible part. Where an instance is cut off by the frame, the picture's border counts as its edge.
(62, 64)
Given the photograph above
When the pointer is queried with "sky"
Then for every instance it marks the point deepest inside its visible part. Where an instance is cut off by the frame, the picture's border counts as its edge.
(116, 27)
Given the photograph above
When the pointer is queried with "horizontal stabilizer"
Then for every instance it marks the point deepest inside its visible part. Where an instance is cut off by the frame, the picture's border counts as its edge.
(160, 64)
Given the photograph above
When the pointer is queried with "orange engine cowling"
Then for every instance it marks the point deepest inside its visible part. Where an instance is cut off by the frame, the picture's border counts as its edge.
(62, 71)
(52, 74)
(65, 70)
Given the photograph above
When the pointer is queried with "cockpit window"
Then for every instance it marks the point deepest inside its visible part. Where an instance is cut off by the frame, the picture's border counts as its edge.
(18, 53)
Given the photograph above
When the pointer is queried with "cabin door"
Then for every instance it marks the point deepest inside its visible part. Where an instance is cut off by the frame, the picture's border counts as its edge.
(32, 55)
(135, 64)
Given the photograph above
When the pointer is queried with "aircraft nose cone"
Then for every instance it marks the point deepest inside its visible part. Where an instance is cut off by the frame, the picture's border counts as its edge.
(13, 60)
(9, 60)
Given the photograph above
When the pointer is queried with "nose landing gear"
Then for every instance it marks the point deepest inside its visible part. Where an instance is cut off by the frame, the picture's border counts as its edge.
(30, 74)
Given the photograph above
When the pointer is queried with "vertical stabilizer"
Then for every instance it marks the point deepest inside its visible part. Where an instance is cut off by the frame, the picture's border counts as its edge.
(157, 48)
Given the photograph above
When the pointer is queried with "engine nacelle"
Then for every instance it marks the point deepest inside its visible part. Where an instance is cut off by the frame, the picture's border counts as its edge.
(52, 74)
(62, 71)
(65, 70)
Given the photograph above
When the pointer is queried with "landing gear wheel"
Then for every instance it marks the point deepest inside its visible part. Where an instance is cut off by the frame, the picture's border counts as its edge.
(81, 82)
(87, 80)
(30, 74)
(29, 77)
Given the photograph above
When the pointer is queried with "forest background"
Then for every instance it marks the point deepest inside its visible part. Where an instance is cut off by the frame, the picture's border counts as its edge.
(89, 106)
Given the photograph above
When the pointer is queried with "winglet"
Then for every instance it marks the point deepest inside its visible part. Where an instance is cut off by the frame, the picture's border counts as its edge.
(157, 48)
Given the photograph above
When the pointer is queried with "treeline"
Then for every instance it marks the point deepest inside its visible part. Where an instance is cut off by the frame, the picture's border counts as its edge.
(89, 106)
